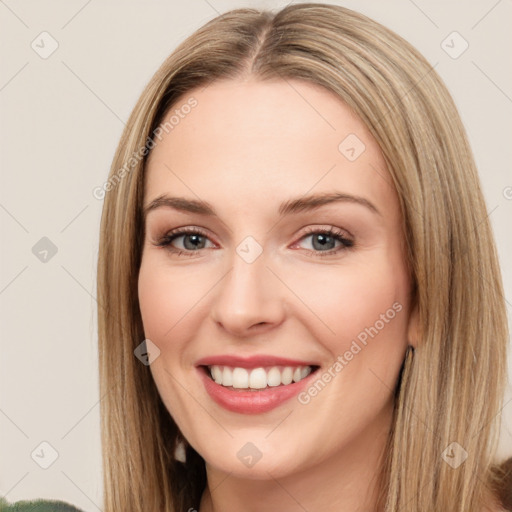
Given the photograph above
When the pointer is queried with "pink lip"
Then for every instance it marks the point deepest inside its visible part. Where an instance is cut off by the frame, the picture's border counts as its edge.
(251, 362)
(251, 402)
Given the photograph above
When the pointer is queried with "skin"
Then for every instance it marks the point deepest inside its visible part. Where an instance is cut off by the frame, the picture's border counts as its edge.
(246, 147)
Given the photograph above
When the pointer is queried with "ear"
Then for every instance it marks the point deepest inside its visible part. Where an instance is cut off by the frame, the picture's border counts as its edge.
(413, 327)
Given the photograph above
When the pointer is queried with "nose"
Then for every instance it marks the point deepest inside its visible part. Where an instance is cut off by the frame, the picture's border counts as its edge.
(249, 298)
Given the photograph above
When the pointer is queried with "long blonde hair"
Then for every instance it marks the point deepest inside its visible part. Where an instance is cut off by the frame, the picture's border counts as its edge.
(451, 388)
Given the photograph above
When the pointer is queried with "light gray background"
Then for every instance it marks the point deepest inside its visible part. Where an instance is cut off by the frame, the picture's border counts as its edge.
(61, 119)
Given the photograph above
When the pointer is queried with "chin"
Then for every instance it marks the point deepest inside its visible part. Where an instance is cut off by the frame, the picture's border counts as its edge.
(253, 454)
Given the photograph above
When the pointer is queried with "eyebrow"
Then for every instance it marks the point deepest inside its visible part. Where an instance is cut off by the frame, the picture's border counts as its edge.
(291, 206)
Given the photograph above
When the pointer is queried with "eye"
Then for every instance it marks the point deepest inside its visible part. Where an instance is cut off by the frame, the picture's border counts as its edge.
(324, 241)
(193, 240)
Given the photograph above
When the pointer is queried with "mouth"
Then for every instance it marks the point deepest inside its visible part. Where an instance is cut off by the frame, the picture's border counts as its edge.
(256, 379)
(254, 390)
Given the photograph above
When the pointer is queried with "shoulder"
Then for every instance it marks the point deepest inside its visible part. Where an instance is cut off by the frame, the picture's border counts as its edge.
(37, 506)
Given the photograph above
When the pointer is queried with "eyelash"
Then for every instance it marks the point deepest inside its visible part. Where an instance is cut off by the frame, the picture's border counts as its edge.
(331, 232)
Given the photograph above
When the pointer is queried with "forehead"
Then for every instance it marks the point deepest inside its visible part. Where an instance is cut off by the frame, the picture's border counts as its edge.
(265, 140)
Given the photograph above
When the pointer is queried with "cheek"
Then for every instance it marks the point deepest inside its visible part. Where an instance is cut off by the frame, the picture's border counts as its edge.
(366, 310)
(166, 303)
(166, 297)
(365, 307)
(156, 301)
(353, 300)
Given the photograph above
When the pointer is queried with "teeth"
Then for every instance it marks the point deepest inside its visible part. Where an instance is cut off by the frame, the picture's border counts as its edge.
(227, 377)
(240, 378)
(217, 374)
(274, 377)
(258, 378)
(287, 375)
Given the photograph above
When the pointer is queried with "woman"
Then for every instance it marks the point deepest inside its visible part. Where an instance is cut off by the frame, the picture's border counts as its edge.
(300, 304)
(280, 375)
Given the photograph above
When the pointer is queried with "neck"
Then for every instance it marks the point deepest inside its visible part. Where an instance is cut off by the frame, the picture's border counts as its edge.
(348, 481)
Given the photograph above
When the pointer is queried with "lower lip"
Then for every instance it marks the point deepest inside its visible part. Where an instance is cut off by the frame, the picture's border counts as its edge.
(251, 402)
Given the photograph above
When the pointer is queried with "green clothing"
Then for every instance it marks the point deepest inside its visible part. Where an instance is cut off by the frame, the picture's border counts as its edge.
(37, 506)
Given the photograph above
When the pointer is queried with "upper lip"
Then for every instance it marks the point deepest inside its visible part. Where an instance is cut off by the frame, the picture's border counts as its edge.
(256, 361)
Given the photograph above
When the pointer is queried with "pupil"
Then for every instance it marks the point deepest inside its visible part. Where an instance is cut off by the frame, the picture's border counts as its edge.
(323, 240)
(197, 238)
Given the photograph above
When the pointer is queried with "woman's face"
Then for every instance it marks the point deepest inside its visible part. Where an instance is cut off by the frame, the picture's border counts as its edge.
(258, 291)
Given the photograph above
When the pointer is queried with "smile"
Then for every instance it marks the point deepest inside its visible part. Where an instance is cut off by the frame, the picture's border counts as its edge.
(253, 385)
(257, 378)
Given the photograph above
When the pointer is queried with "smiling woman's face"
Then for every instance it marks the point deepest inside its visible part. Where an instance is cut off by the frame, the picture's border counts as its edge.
(258, 283)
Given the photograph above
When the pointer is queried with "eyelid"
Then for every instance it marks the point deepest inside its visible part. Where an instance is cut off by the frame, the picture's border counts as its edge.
(346, 240)
(181, 231)
(324, 228)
